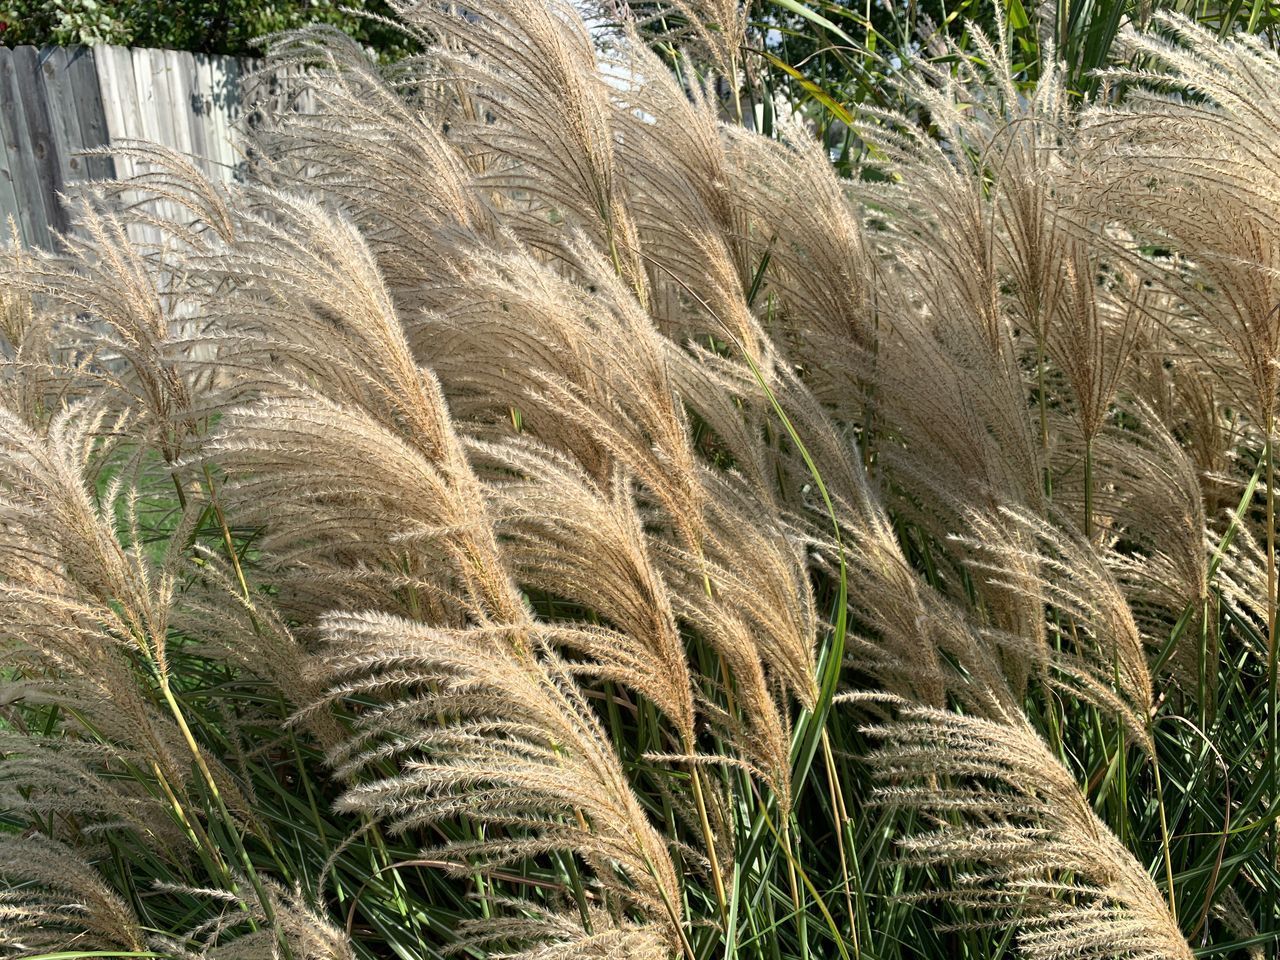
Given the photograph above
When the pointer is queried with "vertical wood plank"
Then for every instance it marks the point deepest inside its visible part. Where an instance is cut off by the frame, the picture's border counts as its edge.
(115, 84)
(161, 107)
(233, 112)
(44, 144)
(202, 106)
(150, 117)
(132, 126)
(224, 87)
(82, 73)
(115, 81)
(32, 218)
(178, 91)
(145, 115)
(64, 112)
(189, 106)
(160, 78)
(8, 182)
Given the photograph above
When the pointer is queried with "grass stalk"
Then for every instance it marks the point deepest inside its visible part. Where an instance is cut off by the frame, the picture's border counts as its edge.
(1164, 830)
(1273, 717)
(840, 816)
(785, 847)
(704, 821)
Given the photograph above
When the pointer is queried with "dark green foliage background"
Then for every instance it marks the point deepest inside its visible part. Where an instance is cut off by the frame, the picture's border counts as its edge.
(201, 26)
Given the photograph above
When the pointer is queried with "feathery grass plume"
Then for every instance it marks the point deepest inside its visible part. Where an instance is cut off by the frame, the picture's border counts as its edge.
(672, 151)
(312, 284)
(962, 447)
(731, 414)
(565, 534)
(1157, 505)
(1094, 311)
(166, 192)
(544, 110)
(967, 222)
(475, 386)
(93, 608)
(756, 608)
(981, 266)
(1172, 372)
(553, 936)
(715, 30)
(1235, 917)
(1187, 162)
(291, 924)
(816, 272)
(915, 641)
(53, 899)
(596, 382)
(756, 722)
(350, 449)
(1033, 851)
(83, 599)
(112, 300)
(1242, 581)
(719, 308)
(937, 192)
(416, 194)
(524, 754)
(758, 567)
(356, 509)
(1102, 656)
(1188, 158)
(34, 373)
(611, 381)
(83, 790)
(363, 464)
(1209, 430)
(943, 306)
(746, 592)
(226, 621)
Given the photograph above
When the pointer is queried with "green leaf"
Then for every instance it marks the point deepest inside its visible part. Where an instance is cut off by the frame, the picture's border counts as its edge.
(813, 16)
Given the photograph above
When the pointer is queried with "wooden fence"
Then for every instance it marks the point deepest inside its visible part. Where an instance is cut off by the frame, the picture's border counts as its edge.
(56, 101)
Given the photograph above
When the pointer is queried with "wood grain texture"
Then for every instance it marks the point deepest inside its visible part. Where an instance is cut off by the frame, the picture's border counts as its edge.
(49, 162)
(82, 74)
(30, 205)
(55, 103)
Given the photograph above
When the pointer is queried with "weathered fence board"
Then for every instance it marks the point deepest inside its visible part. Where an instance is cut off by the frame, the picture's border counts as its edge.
(82, 73)
(56, 103)
(113, 82)
(50, 165)
(8, 175)
(64, 117)
(33, 216)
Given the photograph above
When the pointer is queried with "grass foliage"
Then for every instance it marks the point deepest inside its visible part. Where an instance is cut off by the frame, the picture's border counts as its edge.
(534, 515)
